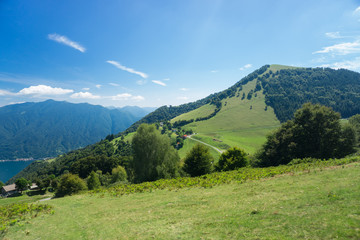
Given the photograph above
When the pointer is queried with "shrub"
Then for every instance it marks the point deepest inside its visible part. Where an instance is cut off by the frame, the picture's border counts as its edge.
(198, 161)
(70, 184)
(232, 159)
(93, 181)
(118, 174)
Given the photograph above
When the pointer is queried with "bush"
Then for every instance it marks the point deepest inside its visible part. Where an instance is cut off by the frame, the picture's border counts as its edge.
(70, 184)
(93, 181)
(118, 174)
(198, 161)
(232, 159)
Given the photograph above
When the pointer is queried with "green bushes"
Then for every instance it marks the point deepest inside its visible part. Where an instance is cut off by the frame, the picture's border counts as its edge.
(234, 158)
(198, 161)
(70, 184)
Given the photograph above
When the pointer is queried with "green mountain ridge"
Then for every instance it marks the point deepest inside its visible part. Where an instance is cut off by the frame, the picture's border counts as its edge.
(50, 128)
(241, 115)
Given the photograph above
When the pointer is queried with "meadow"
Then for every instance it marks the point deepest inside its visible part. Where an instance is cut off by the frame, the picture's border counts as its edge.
(316, 200)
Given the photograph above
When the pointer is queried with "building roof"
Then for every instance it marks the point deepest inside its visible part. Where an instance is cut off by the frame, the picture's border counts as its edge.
(9, 188)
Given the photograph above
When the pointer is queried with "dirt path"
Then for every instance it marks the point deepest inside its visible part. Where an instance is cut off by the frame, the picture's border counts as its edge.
(190, 137)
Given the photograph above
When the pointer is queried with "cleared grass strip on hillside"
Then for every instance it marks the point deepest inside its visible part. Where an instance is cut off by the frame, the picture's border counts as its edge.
(219, 178)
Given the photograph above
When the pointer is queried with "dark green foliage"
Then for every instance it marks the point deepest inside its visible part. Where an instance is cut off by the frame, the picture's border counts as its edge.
(243, 96)
(1, 184)
(355, 123)
(249, 96)
(154, 157)
(93, 181)
(198, 161)
(288, 89)
(21, 184)
(50, 128)
(70, 184)
(314, 132)
(232, 159)
(118, 174)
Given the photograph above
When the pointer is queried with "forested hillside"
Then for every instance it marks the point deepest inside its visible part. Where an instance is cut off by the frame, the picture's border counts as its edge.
(51, 128)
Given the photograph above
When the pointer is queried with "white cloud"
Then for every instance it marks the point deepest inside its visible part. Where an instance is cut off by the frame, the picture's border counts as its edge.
(86, 89)
(333, 35)
(130, 70)
(114, 84)
(64, 40)
(5, 93)
(98, 85)
(357, 10)
(184, 89)
(166, 79)
(159, 82)
(214, 71)
(141, 82)
(342, 48)
(348, 64)
(138, 98)
(127, 96)
(44, 90)
(246, 66)
(84, 95)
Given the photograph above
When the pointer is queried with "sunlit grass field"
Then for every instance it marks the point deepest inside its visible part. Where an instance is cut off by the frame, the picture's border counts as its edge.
(317, 204)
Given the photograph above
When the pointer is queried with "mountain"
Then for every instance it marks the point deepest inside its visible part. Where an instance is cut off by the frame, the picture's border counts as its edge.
(50, 128)
(241, 115)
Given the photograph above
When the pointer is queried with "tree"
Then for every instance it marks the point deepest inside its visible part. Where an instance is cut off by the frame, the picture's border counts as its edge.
(355, 123)
(1, 184)
(314, 132)
(118, 174)
(198, 161)
(232, 159)
(70, 184)
(21, 184)
(154, 157)
(93, 181)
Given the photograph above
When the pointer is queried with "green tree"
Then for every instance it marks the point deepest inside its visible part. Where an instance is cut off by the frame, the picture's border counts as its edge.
(70, 184)
(315, 132)
(1, 184)
(118, 174)
(21, 184)
(154, 157)
(198, 161)
(355, 123)
(232, 159)
(93, 181)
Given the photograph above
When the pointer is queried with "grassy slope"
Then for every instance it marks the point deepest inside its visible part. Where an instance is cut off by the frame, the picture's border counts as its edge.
(236, 124)
(315, 205)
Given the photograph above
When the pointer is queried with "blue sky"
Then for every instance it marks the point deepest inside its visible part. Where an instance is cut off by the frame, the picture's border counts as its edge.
(156, 52)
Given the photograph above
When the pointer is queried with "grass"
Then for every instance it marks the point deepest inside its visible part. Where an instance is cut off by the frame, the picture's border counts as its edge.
(189, 144)
(24, 198)
(243, 123)
(202, 111)
(320, 204)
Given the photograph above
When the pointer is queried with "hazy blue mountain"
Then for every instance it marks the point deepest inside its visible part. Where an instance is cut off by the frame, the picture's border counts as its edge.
(50, 128)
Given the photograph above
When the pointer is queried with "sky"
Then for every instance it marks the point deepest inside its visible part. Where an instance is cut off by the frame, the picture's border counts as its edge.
(151, 53)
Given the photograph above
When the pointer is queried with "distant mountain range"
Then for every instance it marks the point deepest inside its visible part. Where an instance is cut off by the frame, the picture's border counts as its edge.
(50, 128)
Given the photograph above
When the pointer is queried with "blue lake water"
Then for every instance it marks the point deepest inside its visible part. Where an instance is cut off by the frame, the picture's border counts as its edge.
(9, 169)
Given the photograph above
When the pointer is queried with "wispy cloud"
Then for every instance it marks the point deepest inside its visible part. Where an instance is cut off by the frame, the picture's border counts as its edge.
(333, 35)
(246, 66)
(98, 85)
(86, 89)
(84, 95)
(184, 89)
(44, 90)
(66, 41)
(6, 93)
(159, 82)
(130, 70)
(357, 10)
(214, 71)
(347, 64)
(166, 79)
(114, 84)
(141, 82)
(342, 48)
(127, 96)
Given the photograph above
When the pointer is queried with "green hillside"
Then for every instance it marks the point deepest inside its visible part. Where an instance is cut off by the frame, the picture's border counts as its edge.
(240, 122)
(318, 203)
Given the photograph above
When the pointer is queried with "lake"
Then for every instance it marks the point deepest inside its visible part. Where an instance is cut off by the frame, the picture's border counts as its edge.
(8, 169)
